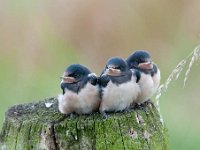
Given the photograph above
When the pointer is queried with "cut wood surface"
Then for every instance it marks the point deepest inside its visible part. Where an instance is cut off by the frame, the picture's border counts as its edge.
(40, 125)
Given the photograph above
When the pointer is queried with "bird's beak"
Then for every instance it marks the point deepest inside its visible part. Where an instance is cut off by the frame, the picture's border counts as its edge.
(146, 65)
(113, 72)
(67, 79)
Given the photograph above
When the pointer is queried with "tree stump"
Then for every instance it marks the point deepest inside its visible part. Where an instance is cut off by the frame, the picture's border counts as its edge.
(41, 126)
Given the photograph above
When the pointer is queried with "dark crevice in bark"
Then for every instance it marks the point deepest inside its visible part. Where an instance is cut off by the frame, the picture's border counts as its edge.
(49, 135)
(29, 136)
(54, 137)
(94, 135)
(77, 133)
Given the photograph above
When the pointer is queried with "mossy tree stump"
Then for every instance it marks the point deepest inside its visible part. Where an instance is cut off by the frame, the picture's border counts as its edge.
(41, 126)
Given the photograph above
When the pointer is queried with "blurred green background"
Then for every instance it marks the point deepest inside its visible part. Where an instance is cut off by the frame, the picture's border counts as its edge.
(38, 39)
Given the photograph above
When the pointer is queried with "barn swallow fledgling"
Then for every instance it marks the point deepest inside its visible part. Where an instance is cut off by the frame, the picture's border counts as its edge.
(150, 74)
(80, 91)
(118, 85)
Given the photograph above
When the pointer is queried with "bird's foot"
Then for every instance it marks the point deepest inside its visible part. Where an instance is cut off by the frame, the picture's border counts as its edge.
(72, 115)
(149, 102)
(105, 116)
(128, 109)
(133, 106)
(94, 113)
(142, 106)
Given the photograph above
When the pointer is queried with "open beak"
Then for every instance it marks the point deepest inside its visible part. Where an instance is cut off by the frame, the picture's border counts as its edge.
(113, 72)
(67, 79)
(146, 65)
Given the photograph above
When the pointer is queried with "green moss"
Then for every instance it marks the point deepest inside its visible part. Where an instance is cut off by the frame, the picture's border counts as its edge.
(23, 137)
(35, 135)
(99, 133)
(35, 126)
(11, 140)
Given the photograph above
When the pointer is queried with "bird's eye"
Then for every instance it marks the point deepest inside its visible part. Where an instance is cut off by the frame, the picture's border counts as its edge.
(117, 67)
(70, 75)
(142, 61)
(76, 75)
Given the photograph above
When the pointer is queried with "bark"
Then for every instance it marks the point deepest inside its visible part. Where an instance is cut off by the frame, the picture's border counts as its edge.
(41, 126)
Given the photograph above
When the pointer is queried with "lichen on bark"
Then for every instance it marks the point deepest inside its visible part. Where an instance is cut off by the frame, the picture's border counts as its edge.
(40, 126)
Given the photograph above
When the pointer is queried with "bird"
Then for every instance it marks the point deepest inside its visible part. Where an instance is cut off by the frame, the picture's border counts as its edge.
(118, 86)
(80, 91)
(149, 74)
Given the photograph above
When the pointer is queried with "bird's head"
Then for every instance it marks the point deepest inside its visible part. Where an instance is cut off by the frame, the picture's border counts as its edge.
(75, 73)
(115, 66)
(140, 59)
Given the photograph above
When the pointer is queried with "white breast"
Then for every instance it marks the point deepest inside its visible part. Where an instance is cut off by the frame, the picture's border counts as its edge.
(118, 98)
(156, 80)
(85, 102)
(148, 86)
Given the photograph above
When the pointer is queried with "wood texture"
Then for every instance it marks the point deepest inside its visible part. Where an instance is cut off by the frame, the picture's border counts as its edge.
(41, 126)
